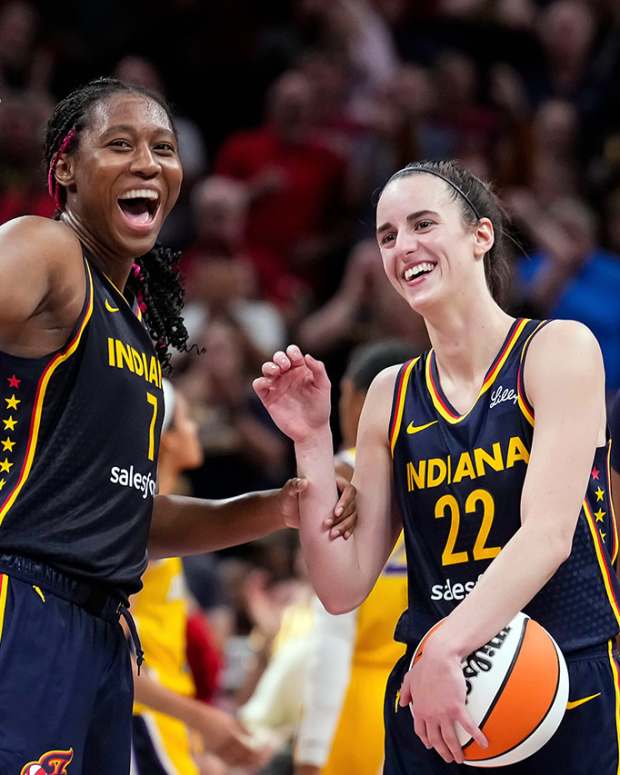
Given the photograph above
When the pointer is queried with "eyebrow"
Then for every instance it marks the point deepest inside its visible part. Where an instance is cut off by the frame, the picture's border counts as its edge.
(132, 129)
(410, 217)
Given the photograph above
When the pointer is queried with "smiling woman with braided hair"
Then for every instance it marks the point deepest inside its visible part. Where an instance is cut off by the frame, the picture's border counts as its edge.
(89, 307)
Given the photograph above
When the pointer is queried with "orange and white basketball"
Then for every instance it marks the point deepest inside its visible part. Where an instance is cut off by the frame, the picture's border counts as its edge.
(517, 690)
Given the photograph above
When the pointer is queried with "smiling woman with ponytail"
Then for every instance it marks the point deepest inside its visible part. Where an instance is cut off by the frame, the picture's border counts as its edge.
(90, 306)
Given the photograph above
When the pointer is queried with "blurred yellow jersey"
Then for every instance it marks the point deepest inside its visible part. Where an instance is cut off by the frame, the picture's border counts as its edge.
(357, 745)
(160, 610)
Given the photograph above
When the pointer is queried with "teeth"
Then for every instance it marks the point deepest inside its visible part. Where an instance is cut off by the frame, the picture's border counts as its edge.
(140, 193)
(414, 271)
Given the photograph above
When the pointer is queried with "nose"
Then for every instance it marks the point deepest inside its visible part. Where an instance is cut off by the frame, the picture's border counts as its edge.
(144, 161)
(406, 243)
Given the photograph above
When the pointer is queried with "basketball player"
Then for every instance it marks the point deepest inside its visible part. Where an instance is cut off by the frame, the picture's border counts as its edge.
(80, 415)
(165, 710)
(352, 654)
(494, 445)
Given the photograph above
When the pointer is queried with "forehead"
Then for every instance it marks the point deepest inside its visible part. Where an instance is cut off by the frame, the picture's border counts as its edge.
(413, 193)
(129, 109)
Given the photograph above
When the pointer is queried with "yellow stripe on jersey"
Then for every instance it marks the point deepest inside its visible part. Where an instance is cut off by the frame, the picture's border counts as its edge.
(4, 588)
(614, 554)
(400, 403)
(614, 672)
(40, 398)
(490, 377)
(598, 548)
(524, 404)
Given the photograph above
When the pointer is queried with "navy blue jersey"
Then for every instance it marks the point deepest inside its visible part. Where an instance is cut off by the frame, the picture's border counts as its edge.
(614, 430)
(459, 478)
(79, 437)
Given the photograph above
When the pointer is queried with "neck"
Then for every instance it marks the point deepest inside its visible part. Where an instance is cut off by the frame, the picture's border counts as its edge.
(116, 267)
(466, 338)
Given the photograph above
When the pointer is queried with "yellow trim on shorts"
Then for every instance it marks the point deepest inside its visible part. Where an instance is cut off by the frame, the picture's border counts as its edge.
(614, 670)
(4, 588)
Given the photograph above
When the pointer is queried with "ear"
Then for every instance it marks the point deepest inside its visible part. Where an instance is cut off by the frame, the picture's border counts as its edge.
(65, 170)
(484, 237)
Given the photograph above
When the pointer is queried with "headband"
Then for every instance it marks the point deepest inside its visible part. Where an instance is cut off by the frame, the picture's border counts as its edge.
(447, 180)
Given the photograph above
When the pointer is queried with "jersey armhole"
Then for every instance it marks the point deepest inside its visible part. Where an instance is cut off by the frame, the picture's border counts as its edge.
(524, 403)
(398, 401)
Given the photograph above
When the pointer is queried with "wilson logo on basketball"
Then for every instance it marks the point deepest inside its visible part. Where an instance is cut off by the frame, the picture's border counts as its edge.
(51, 763)
(481, 660)
(517, 690)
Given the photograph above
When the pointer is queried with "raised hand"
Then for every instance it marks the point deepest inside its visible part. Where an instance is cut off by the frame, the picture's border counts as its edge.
(295, 390)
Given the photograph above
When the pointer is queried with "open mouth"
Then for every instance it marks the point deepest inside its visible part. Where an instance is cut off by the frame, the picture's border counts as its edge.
(139, 206)
(418, 271)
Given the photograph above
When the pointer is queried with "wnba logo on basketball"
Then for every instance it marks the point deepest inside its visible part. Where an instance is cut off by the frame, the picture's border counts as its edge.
(51, 763)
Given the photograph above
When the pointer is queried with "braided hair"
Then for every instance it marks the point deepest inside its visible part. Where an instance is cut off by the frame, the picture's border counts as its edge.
(155, 278)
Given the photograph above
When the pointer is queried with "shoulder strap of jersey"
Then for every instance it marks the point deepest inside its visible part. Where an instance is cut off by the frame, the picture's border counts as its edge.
(524, 405)
(398, 402)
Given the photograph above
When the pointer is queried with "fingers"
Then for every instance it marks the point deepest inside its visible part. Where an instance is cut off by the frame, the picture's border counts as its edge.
(405, 693)
(344, 528)
(434, 733)
(295, 486)
(450, 739)
(344, 518)
(317, 368)
(466, 721)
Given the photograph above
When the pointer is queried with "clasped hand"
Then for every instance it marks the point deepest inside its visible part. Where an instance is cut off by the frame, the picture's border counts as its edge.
(435, 688)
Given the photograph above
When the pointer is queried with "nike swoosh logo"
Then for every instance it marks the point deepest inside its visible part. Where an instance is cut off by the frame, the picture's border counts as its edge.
(577, 703)
(109, 307)
(411, 428)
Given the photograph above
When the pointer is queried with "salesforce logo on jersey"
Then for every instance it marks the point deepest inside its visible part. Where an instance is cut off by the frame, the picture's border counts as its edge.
(452, 590)
(127, 477)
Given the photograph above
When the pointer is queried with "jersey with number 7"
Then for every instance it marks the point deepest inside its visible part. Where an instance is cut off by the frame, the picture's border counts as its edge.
(75, 495)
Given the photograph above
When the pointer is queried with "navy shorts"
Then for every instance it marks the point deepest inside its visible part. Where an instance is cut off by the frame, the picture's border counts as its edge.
(66, 688)
(586, 742)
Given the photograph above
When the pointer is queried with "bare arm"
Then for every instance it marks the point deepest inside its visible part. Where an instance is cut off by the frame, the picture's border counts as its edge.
(295, 390)
(181, 526)
(565, 383)
(222, 734)
(567, 393)
(42, 288)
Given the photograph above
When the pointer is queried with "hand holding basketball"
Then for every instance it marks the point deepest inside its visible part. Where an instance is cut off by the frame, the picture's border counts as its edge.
(435, 689)
(295, 390)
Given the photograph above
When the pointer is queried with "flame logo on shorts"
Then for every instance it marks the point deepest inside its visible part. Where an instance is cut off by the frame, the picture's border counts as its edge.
(51, 763)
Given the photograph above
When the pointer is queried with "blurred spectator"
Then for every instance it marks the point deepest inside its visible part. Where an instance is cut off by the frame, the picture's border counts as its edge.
(25, 63)
(243, 450)
(364, 308)
(22, 180)
(352, 654)
(570, 276)
(295, 185)
(166, 709)
(219, 210)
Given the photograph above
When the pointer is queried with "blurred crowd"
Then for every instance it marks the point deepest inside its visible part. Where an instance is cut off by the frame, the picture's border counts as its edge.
(291, 116)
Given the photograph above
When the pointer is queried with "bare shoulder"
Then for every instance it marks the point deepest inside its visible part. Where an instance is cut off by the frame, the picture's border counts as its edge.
(563, 339)
(564, 354)
(43, 239)
(378, 403)
(40, 261)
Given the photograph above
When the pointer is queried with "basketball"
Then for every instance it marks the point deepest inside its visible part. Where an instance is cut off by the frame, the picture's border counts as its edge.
(517, 690)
